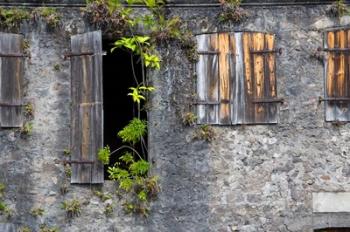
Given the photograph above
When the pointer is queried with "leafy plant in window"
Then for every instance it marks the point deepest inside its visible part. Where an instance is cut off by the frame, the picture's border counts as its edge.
(231, 11)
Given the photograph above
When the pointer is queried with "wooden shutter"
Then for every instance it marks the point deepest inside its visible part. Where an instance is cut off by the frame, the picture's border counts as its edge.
(87, 108)
(11, 78)
(236, 82)
(337, 92)
(260, 79)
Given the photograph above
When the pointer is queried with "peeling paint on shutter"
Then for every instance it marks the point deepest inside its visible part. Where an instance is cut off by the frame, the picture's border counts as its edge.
(337, 95)
(12, 71)
(87, 108)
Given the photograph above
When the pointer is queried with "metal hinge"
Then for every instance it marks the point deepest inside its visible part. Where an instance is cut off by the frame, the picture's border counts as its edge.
(268, 100)
(266, 51)
(13, 55)
(11, 104)
(322, 99)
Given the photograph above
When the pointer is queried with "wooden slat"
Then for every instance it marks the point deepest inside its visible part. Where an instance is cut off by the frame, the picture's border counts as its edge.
(259, 78)
(329, 72)
(207, 79)
(270, 83)
(249, 117)
(87, 109)
(224, 78)
(11, 71)
(236, 75)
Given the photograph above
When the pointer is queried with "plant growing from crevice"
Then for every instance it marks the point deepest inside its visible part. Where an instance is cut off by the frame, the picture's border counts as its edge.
(57, 67)
(108, 211)
(37, 212)
(29, 110)
(189, 119)
(72, 208)
(103, 196)
(25, 229)
(68, 170)
(232, 11)
(46, 228)
(49, 15)
(338, 9)
(26, 129)
(12, 18)
(205, 132)
(66, 152)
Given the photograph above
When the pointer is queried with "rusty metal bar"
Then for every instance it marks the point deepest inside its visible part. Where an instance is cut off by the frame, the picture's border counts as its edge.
(13, 55)
(268, 100)
(11, 104)
(208, 52)
(337, 50)
(279, 51)
(326, 99)
(70, 54)
(78, 162)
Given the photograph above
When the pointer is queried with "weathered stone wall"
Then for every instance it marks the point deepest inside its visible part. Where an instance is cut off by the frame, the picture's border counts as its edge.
(250, 178)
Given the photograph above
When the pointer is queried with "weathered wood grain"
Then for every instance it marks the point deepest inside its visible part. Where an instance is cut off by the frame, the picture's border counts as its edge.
(208, 79)
(11, 71)
(329, 72)
(87, 108)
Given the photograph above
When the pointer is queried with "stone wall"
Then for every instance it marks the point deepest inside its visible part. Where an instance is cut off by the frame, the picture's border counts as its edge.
(250, 178)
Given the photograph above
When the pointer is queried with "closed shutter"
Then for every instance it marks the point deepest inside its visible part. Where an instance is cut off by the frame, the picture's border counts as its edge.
(260, 79)
(337, 92)
(11, 78)
(236, 81)
(87, 108)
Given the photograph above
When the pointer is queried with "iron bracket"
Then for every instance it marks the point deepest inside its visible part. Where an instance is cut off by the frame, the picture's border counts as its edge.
(13, 55)
(328, 99)
(279, 51)
(268, 100)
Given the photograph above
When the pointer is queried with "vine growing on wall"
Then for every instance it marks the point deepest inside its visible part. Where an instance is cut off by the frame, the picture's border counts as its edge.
(232, 11)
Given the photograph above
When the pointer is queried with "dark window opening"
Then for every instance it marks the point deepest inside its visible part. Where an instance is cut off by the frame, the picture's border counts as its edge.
(119, 109)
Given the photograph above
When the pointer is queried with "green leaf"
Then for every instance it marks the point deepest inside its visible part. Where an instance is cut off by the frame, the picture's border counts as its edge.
(139, 168)
(133, 132)
(104, 155)
(127, 158)
(142, 196)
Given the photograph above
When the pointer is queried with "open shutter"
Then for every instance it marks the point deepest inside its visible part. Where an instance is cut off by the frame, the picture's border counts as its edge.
(259, 76)
(214, 78)
(337, 94)
(208, 79)
(11, 78)
(87, 108)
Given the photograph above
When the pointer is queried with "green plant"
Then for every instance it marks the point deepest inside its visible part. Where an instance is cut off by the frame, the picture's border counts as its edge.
(189, 119)
(29, 110)
(68, 170)
(231, 11)
(138, 93)
(104, 155)
(57, 67)
(133, 132)
(140, 45)
(49, 14)
(132, 178)
(12, 17)
(108, 210)
(45, 228)
(72, 208)
(205, 132)
(104, 197)
(25, 229)
(338, 9)
(5, 210)
(66, 152)
(36, 212)
(2, 190)
(27, 128)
